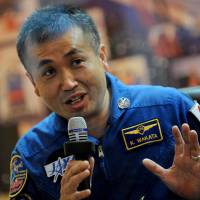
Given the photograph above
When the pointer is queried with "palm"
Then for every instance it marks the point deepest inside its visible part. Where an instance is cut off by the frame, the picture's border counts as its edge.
(183, 177)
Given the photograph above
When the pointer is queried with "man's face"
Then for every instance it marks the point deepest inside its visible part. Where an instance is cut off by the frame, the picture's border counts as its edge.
(68, 75)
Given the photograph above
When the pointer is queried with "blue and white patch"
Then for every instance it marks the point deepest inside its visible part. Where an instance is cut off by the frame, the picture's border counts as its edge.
(57, 167)
(142, 134)
(195, 110)
(18, 175)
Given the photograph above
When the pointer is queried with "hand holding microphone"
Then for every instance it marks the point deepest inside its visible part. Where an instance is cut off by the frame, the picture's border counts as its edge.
(76, 182)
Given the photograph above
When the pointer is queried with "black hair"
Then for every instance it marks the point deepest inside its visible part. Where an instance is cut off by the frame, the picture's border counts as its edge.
(50, 22)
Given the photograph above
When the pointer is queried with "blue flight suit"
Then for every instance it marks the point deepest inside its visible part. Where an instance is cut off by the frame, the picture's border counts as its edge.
(139, 126)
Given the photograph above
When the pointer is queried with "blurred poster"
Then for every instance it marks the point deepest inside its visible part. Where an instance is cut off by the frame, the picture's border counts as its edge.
(176, 31)
(164, 42)
(97, 15)
(12, 14)
(131, 70)
(17, 98)
(170, 27)
(15, 92)
(185, 72)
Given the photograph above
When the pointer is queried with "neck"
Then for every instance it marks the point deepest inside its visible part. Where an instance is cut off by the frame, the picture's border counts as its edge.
(97, 124)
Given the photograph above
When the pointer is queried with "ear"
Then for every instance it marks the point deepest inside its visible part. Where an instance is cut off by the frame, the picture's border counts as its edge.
(103, 57)
(34, 85)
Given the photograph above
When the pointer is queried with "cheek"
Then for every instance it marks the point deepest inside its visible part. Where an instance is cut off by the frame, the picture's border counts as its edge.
(47, 90)
(98, 75)
(48, 94)
(98, 85)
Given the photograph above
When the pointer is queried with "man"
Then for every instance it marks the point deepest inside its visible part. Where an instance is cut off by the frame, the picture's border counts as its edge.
(61, 51)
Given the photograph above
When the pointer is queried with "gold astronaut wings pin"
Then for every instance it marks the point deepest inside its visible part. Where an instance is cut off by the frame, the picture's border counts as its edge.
(142, 134)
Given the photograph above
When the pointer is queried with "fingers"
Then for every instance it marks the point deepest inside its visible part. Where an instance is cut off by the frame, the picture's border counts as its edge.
(75, 180)
(154, 167)
(78, 195)
(75, 173)
(81, 194)
(76, 167)
(186, 137)
(187, 143)
(178, 140)
(194, 147)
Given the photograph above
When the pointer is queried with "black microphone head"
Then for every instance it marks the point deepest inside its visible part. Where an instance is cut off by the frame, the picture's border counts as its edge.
(77, 129)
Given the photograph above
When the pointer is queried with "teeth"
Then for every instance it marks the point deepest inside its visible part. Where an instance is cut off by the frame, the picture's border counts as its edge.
(75, 100)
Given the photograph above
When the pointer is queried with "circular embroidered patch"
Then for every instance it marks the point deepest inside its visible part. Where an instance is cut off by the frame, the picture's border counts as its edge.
(18, 175)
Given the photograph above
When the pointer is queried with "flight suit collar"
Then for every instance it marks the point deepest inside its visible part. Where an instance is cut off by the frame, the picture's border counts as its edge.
(120, 98)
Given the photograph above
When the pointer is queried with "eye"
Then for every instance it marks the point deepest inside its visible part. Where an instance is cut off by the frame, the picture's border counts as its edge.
(77, 62)
(49, 72)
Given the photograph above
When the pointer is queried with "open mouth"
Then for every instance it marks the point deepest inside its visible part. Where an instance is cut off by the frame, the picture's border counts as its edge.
(75, 100)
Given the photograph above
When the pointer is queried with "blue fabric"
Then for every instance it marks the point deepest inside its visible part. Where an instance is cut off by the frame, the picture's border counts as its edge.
(119, 175)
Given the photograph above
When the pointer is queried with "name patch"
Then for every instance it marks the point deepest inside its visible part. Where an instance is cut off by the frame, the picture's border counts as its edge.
(141, 134)
(18, 175)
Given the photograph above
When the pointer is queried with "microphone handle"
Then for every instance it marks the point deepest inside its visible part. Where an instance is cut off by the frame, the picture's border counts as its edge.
(85, 184)
(81, 151)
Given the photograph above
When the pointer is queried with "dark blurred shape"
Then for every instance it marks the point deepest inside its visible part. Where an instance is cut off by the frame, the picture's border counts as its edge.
(8, 139)
(194, 92)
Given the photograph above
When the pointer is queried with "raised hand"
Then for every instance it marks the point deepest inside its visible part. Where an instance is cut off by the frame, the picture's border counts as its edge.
(183, 177)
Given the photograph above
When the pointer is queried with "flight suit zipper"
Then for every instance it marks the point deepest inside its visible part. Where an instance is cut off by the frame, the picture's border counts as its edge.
(100, 152)
(101, 159)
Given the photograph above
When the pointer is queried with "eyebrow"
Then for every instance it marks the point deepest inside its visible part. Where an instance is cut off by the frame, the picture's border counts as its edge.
(72, 52)
(44, 62)
(49, 61)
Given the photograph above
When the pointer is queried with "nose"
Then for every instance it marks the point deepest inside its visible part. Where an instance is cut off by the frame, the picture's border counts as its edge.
(68, 80)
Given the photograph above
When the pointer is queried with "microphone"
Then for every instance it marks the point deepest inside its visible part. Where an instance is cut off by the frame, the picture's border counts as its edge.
(78, 145)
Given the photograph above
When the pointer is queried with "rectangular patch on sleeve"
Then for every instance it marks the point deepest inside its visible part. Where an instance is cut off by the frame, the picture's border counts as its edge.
(195, 110)
(142, 134)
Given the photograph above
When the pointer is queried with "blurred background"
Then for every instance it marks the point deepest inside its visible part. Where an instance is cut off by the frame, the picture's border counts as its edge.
(148, 42)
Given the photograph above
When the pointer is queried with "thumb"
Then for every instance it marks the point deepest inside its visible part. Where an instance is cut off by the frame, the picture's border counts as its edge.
(91, 161)
(153, 167)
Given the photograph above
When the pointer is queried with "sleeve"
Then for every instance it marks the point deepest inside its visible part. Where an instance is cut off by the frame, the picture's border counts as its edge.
(22, 186)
